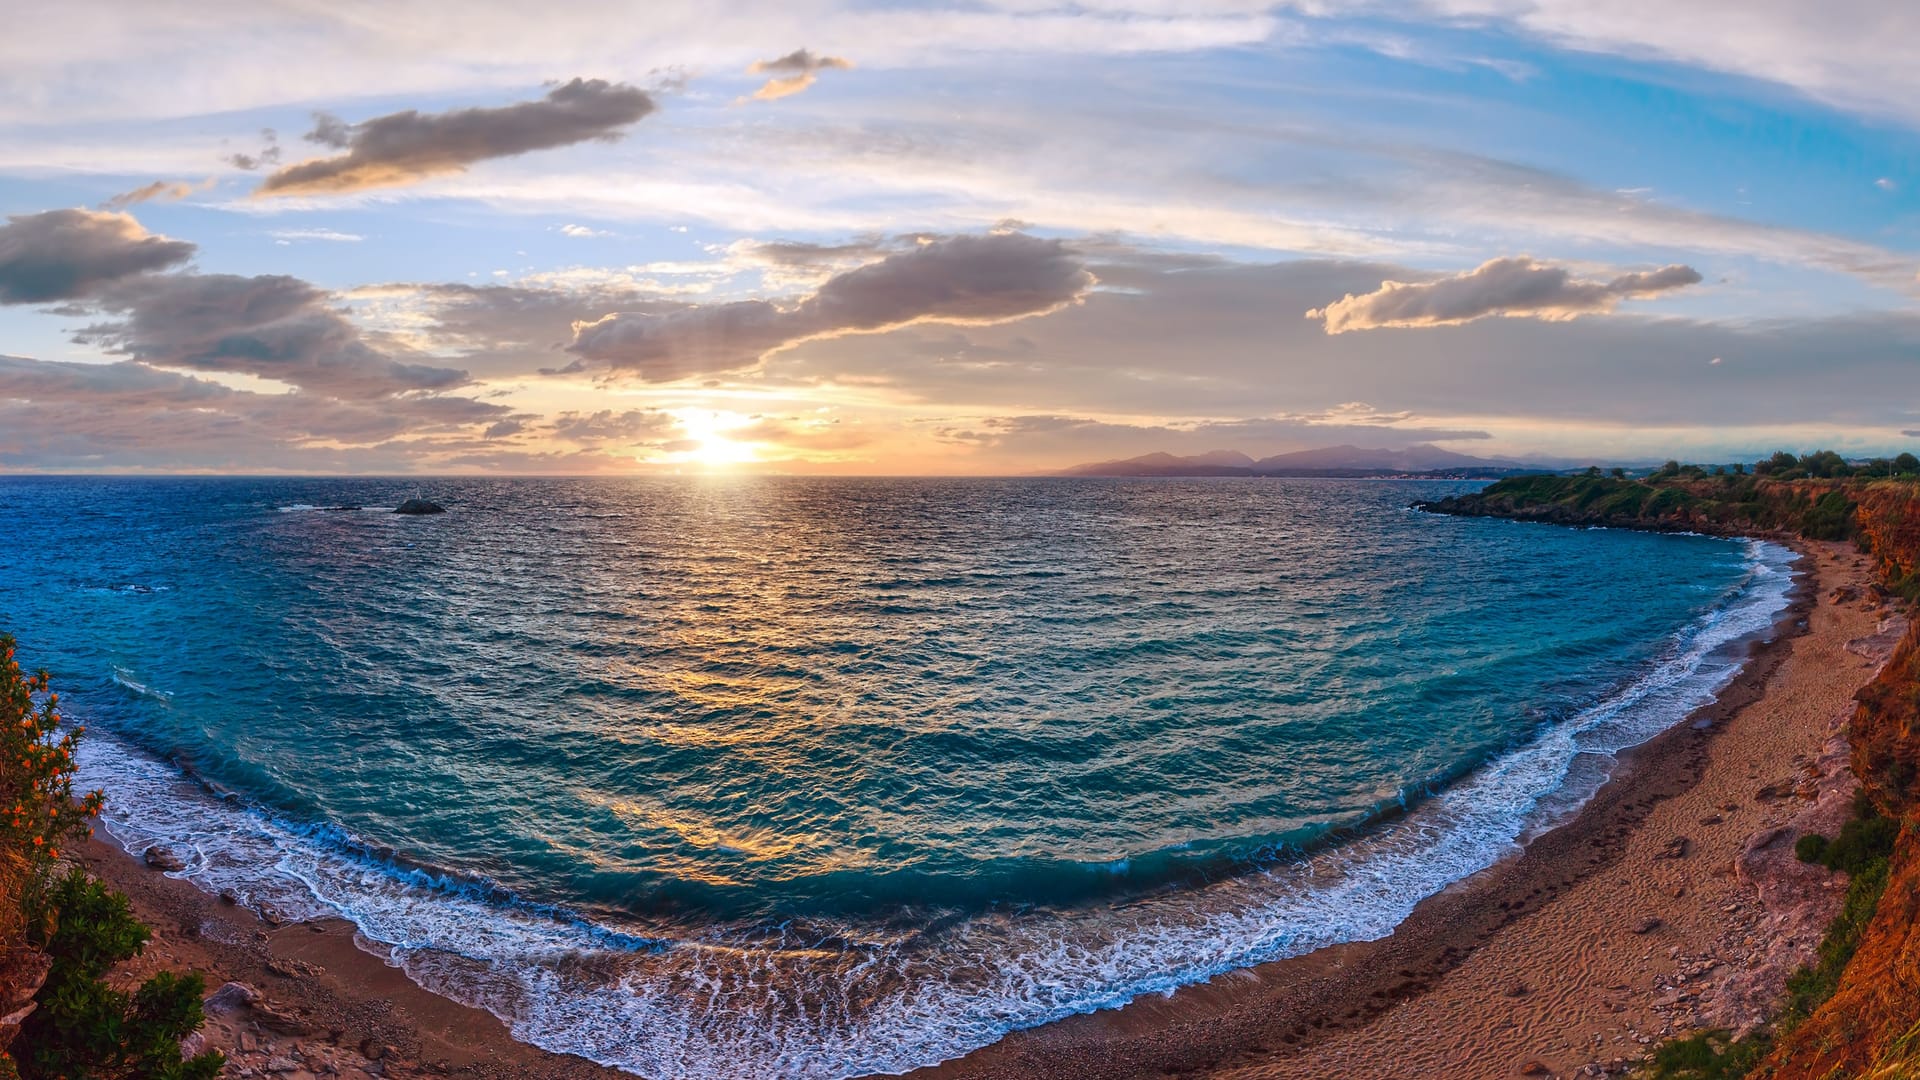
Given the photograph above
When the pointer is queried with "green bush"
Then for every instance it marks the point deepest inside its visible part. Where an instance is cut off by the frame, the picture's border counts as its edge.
(1831, 517)
(1810, 848)
(1810, 987)
(1868, 837)
(85, 1029)
(1710, 1055)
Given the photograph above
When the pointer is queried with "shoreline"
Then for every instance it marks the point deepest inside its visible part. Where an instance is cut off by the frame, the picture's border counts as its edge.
(1238, 1020)
(1306, 1016)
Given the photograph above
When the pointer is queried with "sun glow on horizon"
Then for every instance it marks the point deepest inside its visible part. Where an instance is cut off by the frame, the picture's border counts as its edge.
(706, 429)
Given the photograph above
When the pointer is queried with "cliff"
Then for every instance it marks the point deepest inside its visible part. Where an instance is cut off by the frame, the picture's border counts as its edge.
(1870, 1027)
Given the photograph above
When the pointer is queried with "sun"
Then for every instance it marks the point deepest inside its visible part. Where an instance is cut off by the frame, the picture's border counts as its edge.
(707, 429)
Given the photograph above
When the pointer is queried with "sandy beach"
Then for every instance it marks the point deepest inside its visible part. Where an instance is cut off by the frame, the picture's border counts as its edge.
(1671, 901)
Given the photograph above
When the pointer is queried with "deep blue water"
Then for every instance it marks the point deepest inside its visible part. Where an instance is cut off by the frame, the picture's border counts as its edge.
(795, 777)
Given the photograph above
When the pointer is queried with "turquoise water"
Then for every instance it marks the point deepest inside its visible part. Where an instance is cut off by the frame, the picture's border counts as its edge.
(794, 777)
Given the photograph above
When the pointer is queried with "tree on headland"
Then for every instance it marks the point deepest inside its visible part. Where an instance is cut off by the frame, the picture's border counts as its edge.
(1825, 463)
(68, 926)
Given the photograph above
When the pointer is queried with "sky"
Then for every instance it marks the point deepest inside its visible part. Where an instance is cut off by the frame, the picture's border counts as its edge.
(999, 237)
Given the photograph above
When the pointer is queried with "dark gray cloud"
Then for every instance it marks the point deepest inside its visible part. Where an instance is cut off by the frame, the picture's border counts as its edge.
(268, 155)
(1518, 286)
(968, 280)
(801, 255)
(406, 147)
(272, 326)
(793, 73)
(69, 254)
(330, 130)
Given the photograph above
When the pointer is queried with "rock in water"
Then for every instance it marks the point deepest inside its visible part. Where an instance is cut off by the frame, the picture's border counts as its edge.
(419, 506)
(161, 858)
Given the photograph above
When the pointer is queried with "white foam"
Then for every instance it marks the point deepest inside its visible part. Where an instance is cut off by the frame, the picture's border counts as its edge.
(738, 1001)
(124, 678)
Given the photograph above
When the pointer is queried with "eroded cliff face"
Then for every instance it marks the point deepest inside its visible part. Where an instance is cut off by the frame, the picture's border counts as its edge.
(1871, 1026)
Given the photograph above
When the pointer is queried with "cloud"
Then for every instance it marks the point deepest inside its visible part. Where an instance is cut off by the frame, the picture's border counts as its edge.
(130, 416)
(269, 153)
(968, 280)
(1851, 53)
(1515, 287)
(272, 326)
(330, 235)
(330, 130)
(793, 73)
(159, 189)
(68, 254)
(1887, 183)
(1061, 439)
(630, 427)
(582, 232)
(406, 147)
(496, 330)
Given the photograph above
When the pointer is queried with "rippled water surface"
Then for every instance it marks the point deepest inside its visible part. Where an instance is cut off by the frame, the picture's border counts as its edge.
(783, 777)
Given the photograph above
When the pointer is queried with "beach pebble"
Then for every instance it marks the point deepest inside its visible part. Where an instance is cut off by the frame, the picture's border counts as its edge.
(1535, 1068)
(294, 969)
(1647, 925)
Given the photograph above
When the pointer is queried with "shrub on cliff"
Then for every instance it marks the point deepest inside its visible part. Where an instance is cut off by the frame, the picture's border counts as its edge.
(85, 1029)
(79, 1027)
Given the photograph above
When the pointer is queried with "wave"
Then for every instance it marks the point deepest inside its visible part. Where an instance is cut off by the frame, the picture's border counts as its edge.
(828, 997)
(124, 679)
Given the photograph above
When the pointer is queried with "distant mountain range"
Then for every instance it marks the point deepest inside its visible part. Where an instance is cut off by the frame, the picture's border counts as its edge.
(1421, 459)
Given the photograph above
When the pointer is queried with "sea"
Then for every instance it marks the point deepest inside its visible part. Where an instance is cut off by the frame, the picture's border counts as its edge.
(731, 777)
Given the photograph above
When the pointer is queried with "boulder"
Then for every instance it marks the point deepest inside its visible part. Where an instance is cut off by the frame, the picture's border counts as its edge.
(231, 997)
(419, 506)
(162, 858)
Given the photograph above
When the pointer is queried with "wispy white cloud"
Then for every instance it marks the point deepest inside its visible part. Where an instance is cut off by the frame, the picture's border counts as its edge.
(329, 235)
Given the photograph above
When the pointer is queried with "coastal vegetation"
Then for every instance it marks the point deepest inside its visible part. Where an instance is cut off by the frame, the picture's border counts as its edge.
(1855, 1011)
(61, 933)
